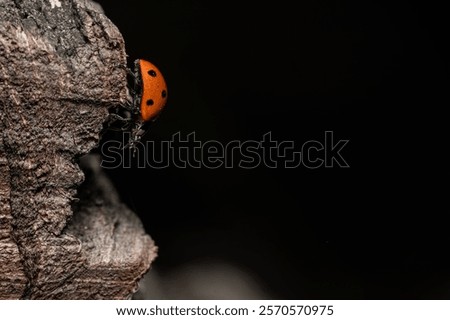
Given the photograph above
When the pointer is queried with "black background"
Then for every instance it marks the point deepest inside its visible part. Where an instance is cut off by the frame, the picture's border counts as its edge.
(374, 73)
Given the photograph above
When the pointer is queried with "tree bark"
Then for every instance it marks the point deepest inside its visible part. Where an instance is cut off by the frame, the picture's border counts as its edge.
(62, 65)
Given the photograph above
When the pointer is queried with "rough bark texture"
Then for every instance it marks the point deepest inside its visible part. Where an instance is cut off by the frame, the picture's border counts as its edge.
(62, 65)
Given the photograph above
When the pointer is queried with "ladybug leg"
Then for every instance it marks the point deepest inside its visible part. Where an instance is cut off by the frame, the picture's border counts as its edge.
(130, 73)
(131, 144)
(134, 89)
(134, 77)
(115, 122)
(114, 117)
(136, 134)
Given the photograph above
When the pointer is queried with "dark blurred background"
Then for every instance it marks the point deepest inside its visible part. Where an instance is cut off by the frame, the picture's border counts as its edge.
(375, 73)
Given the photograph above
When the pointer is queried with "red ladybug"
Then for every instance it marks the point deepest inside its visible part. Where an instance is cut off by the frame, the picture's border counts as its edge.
(153, 96)
(149, 96)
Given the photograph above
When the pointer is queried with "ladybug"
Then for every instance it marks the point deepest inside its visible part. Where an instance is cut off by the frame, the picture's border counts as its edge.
(149, 95)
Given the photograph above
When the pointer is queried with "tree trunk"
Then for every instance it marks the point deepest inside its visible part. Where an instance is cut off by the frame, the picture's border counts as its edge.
(62, 65)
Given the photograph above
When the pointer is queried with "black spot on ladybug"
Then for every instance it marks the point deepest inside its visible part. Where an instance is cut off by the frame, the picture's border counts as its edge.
(164, 93)
(150, 102)
(152, 73)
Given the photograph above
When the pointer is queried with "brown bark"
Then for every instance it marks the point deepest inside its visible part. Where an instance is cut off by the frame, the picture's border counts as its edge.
(62, 65)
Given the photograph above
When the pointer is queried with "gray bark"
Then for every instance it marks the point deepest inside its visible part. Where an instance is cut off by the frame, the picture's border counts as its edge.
(62, 65)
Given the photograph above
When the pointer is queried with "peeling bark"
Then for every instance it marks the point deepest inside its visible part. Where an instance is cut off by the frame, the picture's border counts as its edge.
(62, 65)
